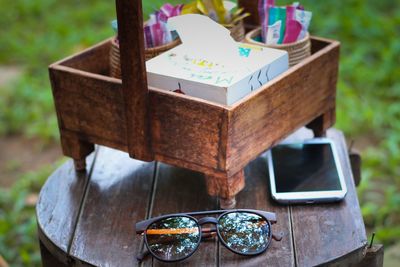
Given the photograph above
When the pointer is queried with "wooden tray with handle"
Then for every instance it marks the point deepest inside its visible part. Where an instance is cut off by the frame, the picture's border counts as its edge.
(152, 124)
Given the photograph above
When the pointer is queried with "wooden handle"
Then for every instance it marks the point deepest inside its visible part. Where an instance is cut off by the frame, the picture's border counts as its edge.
(134, 78)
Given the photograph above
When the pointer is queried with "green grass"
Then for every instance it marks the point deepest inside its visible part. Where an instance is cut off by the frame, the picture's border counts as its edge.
(37, 33)
(18, 227)
(368, 99)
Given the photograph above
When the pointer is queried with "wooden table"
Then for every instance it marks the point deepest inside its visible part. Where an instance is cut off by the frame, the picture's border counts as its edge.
(88, 219)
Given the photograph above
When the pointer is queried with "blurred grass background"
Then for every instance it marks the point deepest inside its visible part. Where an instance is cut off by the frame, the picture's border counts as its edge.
(37, 33)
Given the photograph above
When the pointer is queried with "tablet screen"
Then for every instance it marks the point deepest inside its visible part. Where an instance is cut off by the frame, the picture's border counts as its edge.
(304, 167)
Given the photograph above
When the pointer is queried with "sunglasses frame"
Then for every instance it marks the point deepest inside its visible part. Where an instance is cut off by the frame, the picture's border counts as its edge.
(142, 227)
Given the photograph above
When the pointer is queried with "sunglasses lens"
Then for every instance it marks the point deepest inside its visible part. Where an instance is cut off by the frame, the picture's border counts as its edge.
(243, 232)
(173, 238)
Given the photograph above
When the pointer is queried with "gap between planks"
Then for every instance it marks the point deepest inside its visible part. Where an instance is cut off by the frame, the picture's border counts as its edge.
(150, 203)
(83, 199)
(149, 214)
(293, 236)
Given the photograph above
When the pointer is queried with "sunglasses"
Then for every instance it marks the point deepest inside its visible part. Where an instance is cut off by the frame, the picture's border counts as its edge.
(175, 237)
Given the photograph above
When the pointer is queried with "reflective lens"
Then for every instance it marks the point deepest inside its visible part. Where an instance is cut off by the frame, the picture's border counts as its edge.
(243, 232)
(173, 238)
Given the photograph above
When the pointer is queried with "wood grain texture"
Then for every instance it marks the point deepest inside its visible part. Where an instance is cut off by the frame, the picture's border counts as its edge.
(88, 60)
(77, 149)
(118, 195)
(57, 210)
(282, 106)
(189, 132)
(323, 122)
(122, 191)
(48, 258)
(256, 195)
(134, 78)
(179, 190)
(338, 228)
(374, 257)
(356, 165)
(225, 186)
(89, 106)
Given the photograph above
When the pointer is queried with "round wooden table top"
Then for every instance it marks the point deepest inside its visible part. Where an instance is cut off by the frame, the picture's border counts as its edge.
(89, 218)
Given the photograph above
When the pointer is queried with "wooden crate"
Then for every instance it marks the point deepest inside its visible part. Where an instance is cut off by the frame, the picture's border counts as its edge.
(152, 124)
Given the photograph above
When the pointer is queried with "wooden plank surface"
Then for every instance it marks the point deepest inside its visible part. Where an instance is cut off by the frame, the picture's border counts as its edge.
(256, 195)
(178, 190)
(61, 195)
(325, 232)
(118, 195)
(122, 191)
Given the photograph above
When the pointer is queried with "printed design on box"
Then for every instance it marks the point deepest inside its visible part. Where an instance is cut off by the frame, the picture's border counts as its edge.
(205, 70)
(182, 72)
(256, 80)
(244, 52)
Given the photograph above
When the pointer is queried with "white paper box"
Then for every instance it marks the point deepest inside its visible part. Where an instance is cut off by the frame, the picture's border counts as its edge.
(210, 65)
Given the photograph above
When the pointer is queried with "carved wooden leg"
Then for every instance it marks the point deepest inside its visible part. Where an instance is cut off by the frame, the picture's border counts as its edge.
(48, 259)
(77, 149)
(373, 257)
(225, 187)
(80, 164)
(322, 123)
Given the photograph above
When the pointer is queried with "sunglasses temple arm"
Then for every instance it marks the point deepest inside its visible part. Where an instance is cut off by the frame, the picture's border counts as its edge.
(140, 257)
(270, 216)
(278, 236)
(140, 227)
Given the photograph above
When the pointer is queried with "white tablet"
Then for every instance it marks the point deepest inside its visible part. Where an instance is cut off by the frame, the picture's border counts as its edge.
(306, 172)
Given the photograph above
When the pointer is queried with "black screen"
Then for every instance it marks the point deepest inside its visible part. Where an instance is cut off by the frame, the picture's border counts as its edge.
(304, 167)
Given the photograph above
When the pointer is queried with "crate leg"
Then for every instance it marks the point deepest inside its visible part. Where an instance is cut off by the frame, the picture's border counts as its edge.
(48, 259)
(355, 163)
(373, 257)
(77, 149)
(322, 123)
(225, 187)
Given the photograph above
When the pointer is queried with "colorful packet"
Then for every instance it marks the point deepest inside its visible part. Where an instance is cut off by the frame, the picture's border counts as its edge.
(274, 33)
(156, 31)
(156, 34)
(278, 14)
(167, 9)
(190, 8)
(114, 25)
(177, 10)
(171, 11)
(298, 6)
(214, 9)
(293, 27)
(161, 17)
(263, 10)
(304, 17)
(147, 37)
(290, 13)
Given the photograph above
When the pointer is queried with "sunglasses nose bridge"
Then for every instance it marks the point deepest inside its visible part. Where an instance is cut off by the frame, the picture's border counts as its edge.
(207, 220)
